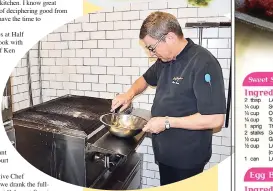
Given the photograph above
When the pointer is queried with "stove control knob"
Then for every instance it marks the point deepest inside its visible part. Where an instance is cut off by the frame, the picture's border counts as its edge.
(96, 157)
(106, 162)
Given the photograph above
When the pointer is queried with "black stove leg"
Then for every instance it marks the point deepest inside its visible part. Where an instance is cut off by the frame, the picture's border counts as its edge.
(200, 36)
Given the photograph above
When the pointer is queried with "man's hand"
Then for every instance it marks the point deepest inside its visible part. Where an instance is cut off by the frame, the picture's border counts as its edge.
(121, 99)
(125, 99)
(155, 125)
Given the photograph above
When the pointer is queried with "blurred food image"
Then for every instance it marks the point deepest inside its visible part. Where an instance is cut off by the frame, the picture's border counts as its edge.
(262, 6)
(201, 3)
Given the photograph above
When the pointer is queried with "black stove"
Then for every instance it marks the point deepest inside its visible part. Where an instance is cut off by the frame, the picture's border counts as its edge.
(65, 139)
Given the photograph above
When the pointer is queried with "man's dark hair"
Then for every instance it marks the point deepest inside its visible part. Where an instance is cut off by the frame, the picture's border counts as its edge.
(158, 24)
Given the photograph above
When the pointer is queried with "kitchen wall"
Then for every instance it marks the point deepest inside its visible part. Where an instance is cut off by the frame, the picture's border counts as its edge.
(99, 55)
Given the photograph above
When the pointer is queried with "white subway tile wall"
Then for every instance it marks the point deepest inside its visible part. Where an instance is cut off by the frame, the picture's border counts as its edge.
(99, 55)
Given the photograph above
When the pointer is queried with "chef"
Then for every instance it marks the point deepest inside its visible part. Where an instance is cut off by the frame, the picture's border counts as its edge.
(189, 103)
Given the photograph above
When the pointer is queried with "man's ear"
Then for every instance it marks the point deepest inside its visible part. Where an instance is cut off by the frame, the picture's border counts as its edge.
(170, 38)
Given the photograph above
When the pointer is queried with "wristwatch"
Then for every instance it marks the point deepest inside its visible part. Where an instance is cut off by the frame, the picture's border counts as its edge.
(167, 123)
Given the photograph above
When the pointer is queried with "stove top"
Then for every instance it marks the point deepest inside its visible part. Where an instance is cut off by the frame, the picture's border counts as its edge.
(77, 106)
(57, 122)
(77, 113)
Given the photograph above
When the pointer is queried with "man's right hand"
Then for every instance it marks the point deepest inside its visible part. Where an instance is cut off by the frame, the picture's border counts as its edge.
(121, 99)
(125, 99)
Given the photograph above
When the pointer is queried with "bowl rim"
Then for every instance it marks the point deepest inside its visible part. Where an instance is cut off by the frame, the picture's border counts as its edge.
(108, 125)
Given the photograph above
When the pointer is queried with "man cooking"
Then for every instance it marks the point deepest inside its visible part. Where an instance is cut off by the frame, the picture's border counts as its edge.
(189, 103)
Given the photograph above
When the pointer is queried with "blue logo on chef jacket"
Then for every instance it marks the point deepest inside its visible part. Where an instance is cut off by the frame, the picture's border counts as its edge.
(208, 79)
(176, 80)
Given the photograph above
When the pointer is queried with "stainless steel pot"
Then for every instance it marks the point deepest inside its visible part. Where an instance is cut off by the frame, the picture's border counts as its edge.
(123, 125)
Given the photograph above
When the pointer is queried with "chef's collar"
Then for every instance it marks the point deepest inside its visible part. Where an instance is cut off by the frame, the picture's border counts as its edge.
(182, 53)
(185, 49)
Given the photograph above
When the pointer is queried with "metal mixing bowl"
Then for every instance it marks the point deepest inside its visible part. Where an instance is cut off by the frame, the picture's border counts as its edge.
(123, 125)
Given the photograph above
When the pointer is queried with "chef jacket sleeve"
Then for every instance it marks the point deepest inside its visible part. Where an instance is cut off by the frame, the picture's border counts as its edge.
(150, 75)
(210, 94)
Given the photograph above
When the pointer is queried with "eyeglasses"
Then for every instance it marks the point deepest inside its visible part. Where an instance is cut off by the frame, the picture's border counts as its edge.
(152, 48)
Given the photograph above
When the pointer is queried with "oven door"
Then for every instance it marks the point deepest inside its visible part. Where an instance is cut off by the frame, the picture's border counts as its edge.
(60, 156)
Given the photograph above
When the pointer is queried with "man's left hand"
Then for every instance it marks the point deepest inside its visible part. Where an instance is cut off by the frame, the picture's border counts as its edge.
(155, 125)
